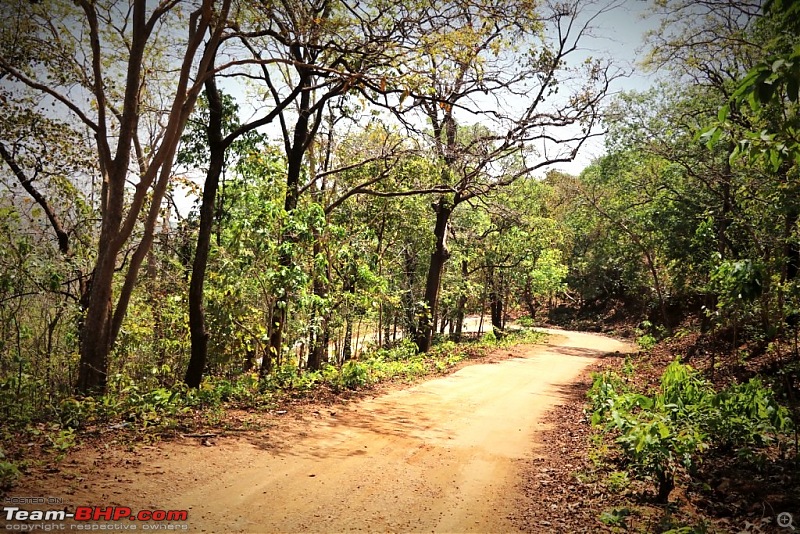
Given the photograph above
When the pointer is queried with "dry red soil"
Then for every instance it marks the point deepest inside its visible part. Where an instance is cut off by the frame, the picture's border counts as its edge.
(443, 455)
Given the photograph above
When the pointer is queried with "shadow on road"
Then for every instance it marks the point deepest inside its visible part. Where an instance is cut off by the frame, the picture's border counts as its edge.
(587, 353)
(347, 434)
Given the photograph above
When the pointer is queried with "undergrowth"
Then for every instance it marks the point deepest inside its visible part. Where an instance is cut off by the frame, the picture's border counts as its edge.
(668, 436)
(664, 433)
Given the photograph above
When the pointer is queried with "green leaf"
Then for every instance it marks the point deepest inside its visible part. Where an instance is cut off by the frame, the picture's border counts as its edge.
(774, 159)
(663, 430)
(734, 154)
(747, 83)
(723, 113)
(709, 136)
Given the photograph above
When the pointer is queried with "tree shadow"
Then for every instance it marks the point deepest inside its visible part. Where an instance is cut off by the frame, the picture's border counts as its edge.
(585, 352)
(346, 435)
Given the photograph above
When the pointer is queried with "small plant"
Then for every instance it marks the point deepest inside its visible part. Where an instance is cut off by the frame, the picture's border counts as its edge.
(75, 413)
(748, 415)
(618, 481)
(61, 441)
(287, 375)
(646, 342)
(9, 472)
(354, 374)
(628, 368)
(526, 321)
(645, 337)
(616, 517)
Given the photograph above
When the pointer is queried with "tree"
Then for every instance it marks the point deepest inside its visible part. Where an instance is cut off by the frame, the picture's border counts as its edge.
(517, 55)
(738, 60)
(223, 132)
(317, 52)
(622, 189)
(71, 56)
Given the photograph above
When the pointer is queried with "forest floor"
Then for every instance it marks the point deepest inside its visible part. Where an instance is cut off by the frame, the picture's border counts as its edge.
(451, 454)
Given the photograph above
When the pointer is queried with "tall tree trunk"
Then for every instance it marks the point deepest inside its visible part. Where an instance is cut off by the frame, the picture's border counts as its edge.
(103, 322)
(409, 305)
(197, 320)
(388, 316)
(659, 292)
(350, 288)
(347, 345)
(96, 332)
(461, 308)
(443, 208)
(294, 165)
(496, 304)
(320, 337)
(725, 218)
(379, 259)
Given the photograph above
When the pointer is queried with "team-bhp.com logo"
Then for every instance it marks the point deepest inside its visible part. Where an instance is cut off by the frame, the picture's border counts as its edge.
(85, 514)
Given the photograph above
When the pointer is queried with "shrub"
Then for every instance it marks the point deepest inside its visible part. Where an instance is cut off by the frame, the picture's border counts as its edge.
(354, 374)
(646, 342)
(663, 434)
(747, 414)
(525, 321)
(9, 472)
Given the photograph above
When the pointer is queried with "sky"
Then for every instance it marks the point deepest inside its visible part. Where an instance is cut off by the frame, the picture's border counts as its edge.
(619, 34)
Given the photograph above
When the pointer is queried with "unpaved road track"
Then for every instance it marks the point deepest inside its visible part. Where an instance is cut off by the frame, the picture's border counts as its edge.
(443, 455)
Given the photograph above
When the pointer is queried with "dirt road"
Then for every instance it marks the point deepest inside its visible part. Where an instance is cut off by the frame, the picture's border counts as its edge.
(443, 455)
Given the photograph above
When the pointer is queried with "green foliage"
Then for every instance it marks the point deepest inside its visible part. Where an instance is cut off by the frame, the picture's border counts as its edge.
(616, 517)
(618, 481)
(355, 374)
(74, 413)
(244, 390)
(665, 433)
(739, 280)
(9, 472)
(62, 440)
(773, 82)
(526, 321)
(405, 350)
(748, 415)
(645, 337)
(646, 341)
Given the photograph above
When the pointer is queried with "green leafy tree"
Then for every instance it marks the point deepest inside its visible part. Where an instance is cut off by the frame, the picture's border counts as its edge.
(92, 61)
(476, 49)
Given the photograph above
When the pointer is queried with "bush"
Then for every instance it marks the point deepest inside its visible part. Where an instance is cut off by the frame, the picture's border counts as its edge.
(354, 374)
(526, 321)
(748, 414)
(404, 350)
(663, 434)
(9, 472)
(646, 342)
